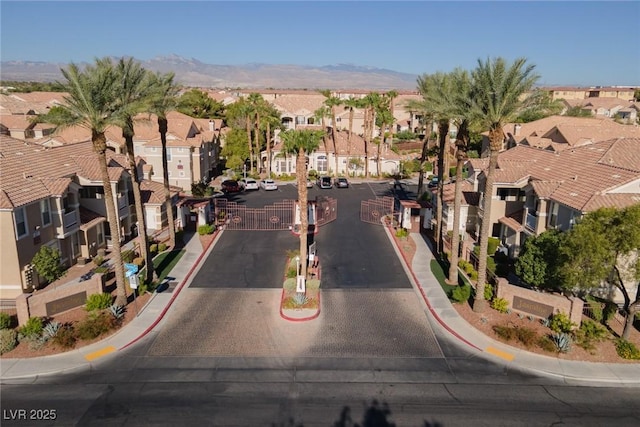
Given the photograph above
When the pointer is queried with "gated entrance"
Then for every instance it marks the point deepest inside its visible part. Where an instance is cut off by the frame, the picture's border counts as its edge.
(372, 211)
(278, 216)
(326, 210)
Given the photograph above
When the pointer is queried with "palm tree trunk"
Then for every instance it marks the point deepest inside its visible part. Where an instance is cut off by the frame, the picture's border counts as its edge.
(479, 303)
(423, 162)
(443, 130)
(378, 162)
(367, 126)
(349, 138)
(248, 129)
(325, 141)
(302, 203)
(333, 137)
(256, 139)
(268, 149)
(142, 220)
(163, 127)
(461, 156)
(100, 146)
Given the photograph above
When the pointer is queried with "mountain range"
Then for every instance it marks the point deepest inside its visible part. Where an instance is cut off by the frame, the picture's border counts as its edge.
(192, 72)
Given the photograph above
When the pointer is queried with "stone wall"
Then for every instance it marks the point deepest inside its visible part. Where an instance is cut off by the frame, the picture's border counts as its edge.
(538, 304)
(58, 299)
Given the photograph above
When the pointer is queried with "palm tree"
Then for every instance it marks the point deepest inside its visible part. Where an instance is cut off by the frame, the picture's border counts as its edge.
(420, 106)
(162, 101)
(497, 89)
(272, 121)
(351, 104)
(332, 102)
(460, 110)
(239, 115)
(322, 113)
(367, 103)
(391, 96)
(92, 103)
(300, 143)
(133, 93)
(383, 118)
(258, 108)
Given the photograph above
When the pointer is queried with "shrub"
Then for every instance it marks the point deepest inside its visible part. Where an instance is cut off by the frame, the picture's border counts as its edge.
(627, 350)
(8, 340)
(128, 255)
(139, 261)
(98, 260)
(33, 328)
(96, 324)
(117, 311)
(488, 291)
(473, 275)
(560, 322)
(561, 341)
(289, 284)
(291, 272)
(402, 233)
(98, 302)
(545, 343)
(601, 310)
(51, 329)
(66, 337)
(47, 263)
(500, 304)
(461, 293)
(6, 320)
(505, 332)
(526, 336)
(102, 269)
(153, 248)
(206, 229)
(163, 246)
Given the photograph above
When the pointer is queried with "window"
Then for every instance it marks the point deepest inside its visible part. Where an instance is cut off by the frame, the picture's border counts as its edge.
(21, 222)
(45, 209)
(100, 233)
(553, 215)
(322, 164)
(300, 120)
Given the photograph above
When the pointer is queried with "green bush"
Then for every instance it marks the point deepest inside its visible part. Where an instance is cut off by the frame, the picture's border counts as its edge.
(139, 261)
(8, 340)
(96, 324)
(526, 336)
(128, 255)
(588, 333)
(98, 260)
(461, 293)
(627, 350)
(66, 337)
(33, 328)
(473, 275)
(153, 248)
(47, 262)
(98, 302)
(6, 320)
(206, 229)
(500, 304)
(505, 332)
(163, 246)
(402, 233)
(560, 322)
(313, 173)
(488, 291)
(102, 269)
(291, 272)
(545, 343)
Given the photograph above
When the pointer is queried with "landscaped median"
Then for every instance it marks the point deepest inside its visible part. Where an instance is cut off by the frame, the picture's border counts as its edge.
(300, 306)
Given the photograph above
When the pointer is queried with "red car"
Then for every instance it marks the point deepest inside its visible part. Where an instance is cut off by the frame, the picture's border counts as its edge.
(231, 186)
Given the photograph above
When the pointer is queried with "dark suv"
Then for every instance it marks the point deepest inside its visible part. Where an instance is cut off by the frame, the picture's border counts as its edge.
(230, 186)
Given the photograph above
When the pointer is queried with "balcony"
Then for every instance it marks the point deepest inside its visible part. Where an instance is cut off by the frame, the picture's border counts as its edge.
(70, 219)
(531, 221)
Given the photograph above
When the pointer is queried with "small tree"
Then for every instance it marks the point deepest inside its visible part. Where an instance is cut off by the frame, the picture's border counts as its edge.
(538, 264)
(47, 263)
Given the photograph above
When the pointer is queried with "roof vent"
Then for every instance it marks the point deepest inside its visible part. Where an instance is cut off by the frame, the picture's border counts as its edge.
(573, 194)
(575, 177)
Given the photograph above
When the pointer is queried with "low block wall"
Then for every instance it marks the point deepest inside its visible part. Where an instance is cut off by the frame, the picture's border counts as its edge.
(47, 302)
(539, 304)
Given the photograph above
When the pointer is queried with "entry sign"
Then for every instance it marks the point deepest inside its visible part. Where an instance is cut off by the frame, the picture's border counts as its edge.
(133, 281)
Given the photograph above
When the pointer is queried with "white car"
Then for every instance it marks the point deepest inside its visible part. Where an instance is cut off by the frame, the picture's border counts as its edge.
(268, 184)
(248, 184)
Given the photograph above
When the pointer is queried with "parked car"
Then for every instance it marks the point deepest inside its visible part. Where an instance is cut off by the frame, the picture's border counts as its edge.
(230, 186)
(309, 183)
(324, 182)
(248, 184)
(268, 184)
(341, 183)
(433, 183)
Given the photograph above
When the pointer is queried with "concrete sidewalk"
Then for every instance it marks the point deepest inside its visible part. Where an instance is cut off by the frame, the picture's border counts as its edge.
(441, 314)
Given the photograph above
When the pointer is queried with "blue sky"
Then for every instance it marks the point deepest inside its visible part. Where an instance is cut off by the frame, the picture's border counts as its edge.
(585, 43)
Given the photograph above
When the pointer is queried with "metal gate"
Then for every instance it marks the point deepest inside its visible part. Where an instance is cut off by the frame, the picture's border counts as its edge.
(278, 216)
(372, 211)
(326, 210)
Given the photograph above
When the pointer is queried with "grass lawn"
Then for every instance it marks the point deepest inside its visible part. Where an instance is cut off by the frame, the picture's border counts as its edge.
(164, 263)
(440, 274)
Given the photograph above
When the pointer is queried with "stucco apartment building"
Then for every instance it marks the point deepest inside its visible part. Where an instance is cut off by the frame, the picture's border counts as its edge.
(54, 197)
(574, 92)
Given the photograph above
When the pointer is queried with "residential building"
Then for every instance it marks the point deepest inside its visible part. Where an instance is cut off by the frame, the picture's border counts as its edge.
(573, 92)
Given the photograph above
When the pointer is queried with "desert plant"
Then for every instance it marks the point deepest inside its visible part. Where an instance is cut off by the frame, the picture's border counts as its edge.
(162, 247)
(300, 299)
(402, 233)
(507, 333)
(291, 272)
(8, 340)
(98, 260)
(488, 292)
(98, 301)
(500, 304)
(51, 329)
(128, 255)
(290, 284)
(6, 320)
(560, 322)
(545, 343)
(562, 341)
(153, 248)
(96, 324)
(206, 229)
(33, 328)
(526, 336)
(139, 261)
(66, 337)
(117, 311)
(461, 293)
(627, 349)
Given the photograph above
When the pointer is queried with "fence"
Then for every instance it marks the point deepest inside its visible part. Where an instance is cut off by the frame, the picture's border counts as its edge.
(278, 216)
(372, 211)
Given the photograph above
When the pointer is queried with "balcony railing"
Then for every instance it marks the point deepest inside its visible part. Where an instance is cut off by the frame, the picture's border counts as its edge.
(531, 222)
(70, 219)
(122, 203)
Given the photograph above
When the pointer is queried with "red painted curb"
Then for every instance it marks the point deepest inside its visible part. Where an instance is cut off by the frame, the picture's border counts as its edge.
(175, 293)
(426, 300)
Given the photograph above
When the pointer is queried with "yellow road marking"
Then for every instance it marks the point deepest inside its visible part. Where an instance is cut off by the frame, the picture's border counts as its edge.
(500, 353)
(100, 353)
